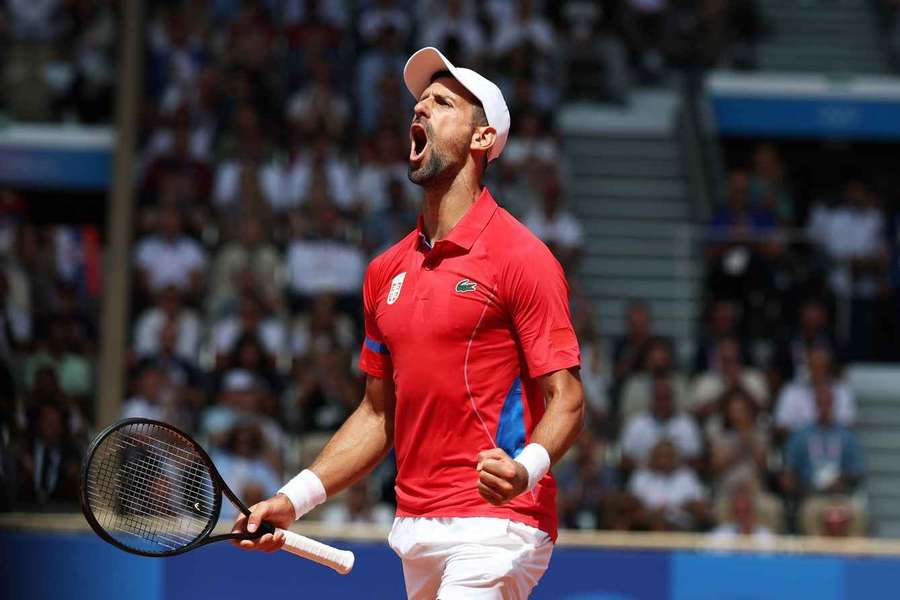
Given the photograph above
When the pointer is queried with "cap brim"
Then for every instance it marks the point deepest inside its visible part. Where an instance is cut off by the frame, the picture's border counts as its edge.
(421, 66)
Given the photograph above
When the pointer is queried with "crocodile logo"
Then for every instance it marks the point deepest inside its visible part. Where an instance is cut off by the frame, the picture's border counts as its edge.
(464, 285)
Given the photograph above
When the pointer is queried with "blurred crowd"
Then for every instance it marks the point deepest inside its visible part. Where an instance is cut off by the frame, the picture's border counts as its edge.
(272, 168)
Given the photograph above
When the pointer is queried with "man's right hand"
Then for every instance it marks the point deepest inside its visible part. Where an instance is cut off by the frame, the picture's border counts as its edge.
(277, 511)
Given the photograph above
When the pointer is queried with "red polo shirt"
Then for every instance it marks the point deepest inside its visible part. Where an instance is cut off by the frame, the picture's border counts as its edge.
(465, 328)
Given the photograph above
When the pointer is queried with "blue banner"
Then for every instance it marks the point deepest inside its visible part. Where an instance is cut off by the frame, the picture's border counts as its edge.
(76, 169)
(51, 566)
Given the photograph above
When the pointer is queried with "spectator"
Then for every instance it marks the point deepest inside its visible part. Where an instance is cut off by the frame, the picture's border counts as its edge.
(823, 465)
(384, 58)
(249, 183)
(50, 465)
(739, 220)
(587, 486)
(596, 55)
(253, 321)
(852, 235)
(320, 173)
(630, 350)
(739, 451)
(249, 356)
(796, 406)
(243, 465)
(595, 373)
(322, 394)
(33, 30)
(318, 108)
(659, 363)
(557, 228)
(724, 323)
(743, 521)
(248, 264)
(660, 421)
(168, 309)
(769, 189)
(322, 261)
(669, 496)
(452, 26)
(155, 397)
(323, 329)
(726, 372)
(170, 258)
(644, 26)
(791, 356)
(15, 322)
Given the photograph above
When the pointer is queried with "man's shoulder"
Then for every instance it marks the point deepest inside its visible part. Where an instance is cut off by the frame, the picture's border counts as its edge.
(511, 243)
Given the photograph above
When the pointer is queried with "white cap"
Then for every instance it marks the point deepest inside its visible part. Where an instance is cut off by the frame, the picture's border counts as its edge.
(422, 65)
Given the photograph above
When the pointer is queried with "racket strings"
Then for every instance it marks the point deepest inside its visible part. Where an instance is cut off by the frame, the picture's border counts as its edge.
(149, 489)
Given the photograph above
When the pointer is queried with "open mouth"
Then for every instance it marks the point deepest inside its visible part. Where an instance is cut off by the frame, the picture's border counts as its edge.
(418, 142)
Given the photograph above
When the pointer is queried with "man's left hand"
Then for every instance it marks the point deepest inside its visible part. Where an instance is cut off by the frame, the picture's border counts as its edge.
(500, 478)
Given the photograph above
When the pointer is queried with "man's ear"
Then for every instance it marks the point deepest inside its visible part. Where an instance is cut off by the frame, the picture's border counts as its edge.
(483, 138)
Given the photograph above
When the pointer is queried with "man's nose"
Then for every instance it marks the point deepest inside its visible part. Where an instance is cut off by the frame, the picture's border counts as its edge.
(422, 109)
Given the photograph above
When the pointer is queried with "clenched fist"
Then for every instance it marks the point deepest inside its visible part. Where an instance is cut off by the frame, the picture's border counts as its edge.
(500, 478)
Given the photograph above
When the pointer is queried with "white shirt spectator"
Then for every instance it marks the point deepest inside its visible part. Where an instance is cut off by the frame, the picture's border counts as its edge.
(644, 431)
(170, 262)
(846, 232)
(150, 324)
(271, 334)
(318, 266)
(563, 230)
(666, 490)
(709, 386)
(338, 177)
(796, 406)
(271, 181)
(441, 25)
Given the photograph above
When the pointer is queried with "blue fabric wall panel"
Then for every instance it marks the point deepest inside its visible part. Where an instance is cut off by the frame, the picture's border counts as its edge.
(591, 574)
(45, 566)
(725, 576)
(220, 571)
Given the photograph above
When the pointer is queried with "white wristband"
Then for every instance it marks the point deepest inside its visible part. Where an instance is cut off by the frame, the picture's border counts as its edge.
(536, 461)
(305, 491)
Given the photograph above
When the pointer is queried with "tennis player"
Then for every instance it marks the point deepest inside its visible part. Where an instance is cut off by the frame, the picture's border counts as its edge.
(471, 362)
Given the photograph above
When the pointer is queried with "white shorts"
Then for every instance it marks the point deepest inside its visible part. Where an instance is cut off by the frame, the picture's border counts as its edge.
(470, 558)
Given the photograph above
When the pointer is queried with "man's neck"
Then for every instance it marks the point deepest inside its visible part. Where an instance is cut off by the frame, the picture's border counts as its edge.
(446, 202)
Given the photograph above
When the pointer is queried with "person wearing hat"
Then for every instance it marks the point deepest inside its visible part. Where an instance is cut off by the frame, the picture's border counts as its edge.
(471, 362)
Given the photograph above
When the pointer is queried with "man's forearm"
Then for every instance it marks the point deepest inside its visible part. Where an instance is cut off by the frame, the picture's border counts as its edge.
(564, 417)
(355, 449)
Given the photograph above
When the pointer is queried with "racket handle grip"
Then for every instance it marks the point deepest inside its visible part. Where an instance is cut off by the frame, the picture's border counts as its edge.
(339, 560)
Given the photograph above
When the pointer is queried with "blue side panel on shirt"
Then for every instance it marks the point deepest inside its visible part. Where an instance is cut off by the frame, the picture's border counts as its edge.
(511, 428)
(376, 346)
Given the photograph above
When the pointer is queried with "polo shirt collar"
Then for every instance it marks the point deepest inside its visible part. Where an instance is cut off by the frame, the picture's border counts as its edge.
(467, 230)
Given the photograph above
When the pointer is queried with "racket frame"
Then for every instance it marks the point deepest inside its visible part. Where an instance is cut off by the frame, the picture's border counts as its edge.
(219, 488)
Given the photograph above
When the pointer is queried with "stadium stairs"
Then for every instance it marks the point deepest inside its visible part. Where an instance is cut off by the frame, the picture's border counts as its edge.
(836, 37)
(877, 425)
(630, 191)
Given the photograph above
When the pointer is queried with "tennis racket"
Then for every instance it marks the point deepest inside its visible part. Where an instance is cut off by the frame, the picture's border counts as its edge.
(149, 489)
